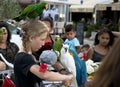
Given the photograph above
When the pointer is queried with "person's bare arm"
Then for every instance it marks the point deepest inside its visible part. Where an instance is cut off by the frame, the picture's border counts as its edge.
(117, 34)
(51, 76)
(78, 49)
(2, 66)
(90, 53)
(57, 66)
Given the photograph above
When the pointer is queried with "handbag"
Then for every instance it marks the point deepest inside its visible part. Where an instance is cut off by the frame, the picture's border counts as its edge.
(8, 82)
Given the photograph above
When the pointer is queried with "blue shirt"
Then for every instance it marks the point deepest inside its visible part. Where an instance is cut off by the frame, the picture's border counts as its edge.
(74, 42)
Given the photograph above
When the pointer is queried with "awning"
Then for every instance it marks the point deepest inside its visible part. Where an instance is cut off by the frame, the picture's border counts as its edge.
(87, 6)
(104, 4)
(116, 6)
(73, 2)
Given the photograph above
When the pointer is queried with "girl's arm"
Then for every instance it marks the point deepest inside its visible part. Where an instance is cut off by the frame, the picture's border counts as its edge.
(51, 76)
(117, 34)
(90, 53)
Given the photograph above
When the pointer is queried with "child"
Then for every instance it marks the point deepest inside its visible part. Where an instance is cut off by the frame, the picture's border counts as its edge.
(26, 70)
(84, 51)
(70, 34)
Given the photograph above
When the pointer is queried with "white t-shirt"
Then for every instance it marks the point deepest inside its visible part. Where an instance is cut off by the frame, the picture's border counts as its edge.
(46, 13)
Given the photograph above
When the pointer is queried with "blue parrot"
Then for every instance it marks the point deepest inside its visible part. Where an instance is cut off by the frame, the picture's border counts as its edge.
(81, 72)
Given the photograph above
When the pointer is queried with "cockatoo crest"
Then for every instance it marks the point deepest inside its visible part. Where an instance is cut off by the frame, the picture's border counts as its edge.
(65, 49)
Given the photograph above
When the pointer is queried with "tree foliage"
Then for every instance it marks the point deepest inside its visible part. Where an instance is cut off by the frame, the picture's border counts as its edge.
(8, 9)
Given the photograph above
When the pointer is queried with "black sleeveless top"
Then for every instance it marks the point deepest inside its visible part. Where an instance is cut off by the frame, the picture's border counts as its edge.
(97, 57)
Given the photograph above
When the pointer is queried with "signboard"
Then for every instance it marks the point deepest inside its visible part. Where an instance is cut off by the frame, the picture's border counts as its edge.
(80, 32)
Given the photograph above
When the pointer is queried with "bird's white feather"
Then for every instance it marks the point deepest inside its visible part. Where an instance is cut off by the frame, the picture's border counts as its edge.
(68, 62)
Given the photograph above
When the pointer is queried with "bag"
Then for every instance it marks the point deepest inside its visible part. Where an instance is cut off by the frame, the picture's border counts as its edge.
(8, 83)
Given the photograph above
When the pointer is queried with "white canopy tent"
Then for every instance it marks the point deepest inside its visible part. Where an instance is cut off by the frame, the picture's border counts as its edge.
(103, 4)
(63, 1)
(116, 6)
(87, 6)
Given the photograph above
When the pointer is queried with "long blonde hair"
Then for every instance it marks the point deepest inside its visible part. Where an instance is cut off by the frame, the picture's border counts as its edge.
(32, 28)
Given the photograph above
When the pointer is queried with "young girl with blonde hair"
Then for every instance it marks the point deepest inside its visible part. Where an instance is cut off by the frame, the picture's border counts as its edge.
(26, 68)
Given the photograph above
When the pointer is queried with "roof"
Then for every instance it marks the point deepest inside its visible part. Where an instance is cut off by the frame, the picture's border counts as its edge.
(87, 6)
(63, 1)
(103, 4)
(116, 6)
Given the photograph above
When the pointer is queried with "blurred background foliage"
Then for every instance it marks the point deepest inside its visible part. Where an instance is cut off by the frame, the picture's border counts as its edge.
(9, 9)
(97, 27)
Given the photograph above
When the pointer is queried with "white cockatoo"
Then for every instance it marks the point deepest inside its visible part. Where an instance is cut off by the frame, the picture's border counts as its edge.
(68, 62)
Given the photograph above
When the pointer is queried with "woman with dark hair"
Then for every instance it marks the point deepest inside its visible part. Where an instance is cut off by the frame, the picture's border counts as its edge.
(101, 32)
(7, 48)
(108, 73)
(104, 39)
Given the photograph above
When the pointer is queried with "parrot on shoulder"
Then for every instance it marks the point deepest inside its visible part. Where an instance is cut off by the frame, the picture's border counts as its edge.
(2, 31)
(81, 72)
(31, 11)
(57, 45)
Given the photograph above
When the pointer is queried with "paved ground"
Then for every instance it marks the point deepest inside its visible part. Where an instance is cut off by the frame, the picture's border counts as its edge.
(88, 41)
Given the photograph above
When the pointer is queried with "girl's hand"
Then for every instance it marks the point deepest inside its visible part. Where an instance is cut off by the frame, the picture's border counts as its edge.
(2, 66)
(68, 80)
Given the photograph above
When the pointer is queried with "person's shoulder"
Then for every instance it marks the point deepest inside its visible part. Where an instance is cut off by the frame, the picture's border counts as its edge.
(12, 44)
(22, 55)
(75, 39)
(91, 49)
(66, 40)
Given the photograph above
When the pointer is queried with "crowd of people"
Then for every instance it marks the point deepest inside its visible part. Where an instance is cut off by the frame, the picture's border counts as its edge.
(34, 42)
(36, 38)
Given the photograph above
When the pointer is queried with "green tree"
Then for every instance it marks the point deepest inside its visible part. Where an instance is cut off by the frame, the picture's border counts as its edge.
(9, 9)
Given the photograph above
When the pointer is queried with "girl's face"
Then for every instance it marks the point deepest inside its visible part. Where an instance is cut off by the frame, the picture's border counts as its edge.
(84, 50)
(46, 6)
(5, 35)
(104, 39)
(38, 42)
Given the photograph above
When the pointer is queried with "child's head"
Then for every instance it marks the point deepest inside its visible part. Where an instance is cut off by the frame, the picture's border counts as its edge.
(70, 31)
(104, 37)
(49, 22)
(34, 35)
(85, 48)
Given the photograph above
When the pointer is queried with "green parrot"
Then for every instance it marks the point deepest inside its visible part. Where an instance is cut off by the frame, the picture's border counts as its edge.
(31, 11)
(2, 30)
(57, 45)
